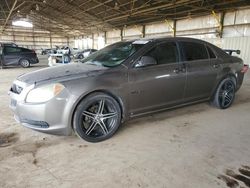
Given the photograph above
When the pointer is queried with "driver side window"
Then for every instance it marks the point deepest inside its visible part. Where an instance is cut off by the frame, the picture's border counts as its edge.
(164, 53)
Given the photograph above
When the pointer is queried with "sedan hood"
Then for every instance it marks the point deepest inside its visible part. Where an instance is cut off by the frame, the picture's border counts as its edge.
(62, 71)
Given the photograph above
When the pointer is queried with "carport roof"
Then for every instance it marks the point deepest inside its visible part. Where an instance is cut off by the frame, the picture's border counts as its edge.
(83, 17)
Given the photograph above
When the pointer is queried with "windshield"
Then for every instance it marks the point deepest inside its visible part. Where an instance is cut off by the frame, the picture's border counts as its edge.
(113, 55)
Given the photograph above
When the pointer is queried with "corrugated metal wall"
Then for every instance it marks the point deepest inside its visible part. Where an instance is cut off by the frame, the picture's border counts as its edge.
(158, 29)
(236, 31)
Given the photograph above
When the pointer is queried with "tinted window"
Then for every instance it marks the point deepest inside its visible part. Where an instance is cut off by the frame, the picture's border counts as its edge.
(9, 49)
(25, 50)
(211, 53)
(194, 51)
(164, 53)
(114, 54)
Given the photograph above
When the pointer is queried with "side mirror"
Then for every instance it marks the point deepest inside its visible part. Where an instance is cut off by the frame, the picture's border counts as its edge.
(238, 52)
(146, 61)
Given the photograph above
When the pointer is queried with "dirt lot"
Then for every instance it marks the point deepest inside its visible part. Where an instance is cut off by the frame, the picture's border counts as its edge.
(194, 146)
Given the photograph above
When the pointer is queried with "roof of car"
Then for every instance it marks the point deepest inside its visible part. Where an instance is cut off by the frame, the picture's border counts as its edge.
(8, 44)
(159, 39)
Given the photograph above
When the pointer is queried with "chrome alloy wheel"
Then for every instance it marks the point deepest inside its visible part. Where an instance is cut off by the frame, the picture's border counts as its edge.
(99, 118)
(226, 94)
(25, 63)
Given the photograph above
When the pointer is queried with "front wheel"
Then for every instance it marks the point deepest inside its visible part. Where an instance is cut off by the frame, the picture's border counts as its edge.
(24, 63)
(97, 117)
(225, 93)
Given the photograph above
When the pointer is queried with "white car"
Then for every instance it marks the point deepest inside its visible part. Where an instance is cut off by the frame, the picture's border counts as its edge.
(58, 59)
(68, 50)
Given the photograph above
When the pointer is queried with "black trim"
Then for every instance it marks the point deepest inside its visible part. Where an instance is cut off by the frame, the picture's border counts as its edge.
(40, 124)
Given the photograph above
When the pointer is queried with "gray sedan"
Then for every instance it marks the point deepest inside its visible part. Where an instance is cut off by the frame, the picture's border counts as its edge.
(122, 81)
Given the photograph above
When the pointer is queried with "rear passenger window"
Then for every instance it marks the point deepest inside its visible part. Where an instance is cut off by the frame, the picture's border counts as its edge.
(25, 50)
(164, 53)
(211, 53)
(9, 49)
(194, 51)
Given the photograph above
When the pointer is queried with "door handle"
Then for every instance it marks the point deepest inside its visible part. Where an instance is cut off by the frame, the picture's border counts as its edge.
(216, 66)
(179, 69)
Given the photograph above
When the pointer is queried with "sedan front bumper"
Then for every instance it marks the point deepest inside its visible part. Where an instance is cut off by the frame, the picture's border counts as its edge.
(51, 117)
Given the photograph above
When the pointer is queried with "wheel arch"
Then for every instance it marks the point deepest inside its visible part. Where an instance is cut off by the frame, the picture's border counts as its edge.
(107, 92)
(23, 58)
(228, 75)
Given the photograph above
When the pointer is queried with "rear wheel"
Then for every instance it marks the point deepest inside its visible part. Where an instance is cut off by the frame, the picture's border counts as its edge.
(97, 117)
(225, 93)
(24, 63)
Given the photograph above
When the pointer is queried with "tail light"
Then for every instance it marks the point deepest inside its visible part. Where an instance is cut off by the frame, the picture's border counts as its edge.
(245, 68)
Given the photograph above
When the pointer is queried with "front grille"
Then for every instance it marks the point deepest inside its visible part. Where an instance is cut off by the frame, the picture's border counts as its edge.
(16, 89)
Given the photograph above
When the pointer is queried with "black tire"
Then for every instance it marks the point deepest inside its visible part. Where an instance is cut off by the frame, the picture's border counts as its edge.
(24, 63)
(97, 117)
(224, 94)
(81, 56)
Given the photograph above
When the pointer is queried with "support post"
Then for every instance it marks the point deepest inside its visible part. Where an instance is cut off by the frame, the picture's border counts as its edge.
(143, 31)
(174, 28)
(33, 38)
(222, 24)
(171, 27)
(105, 37)
(121, 35)
(93, 40)
(13, 35)
(220, 21)
(67, 41)
(50, 40)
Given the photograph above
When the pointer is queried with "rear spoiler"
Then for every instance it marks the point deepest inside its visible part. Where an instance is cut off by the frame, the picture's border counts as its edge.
(230, 52)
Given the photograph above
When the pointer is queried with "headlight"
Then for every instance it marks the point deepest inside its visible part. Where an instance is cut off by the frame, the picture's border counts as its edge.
(44, 93)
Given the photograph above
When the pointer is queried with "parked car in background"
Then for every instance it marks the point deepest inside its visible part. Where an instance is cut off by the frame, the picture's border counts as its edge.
(67, 50)
(122, 81)
(84, 53)
(58, 59)
(63, 50)
(48, 51)
(12, 55)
